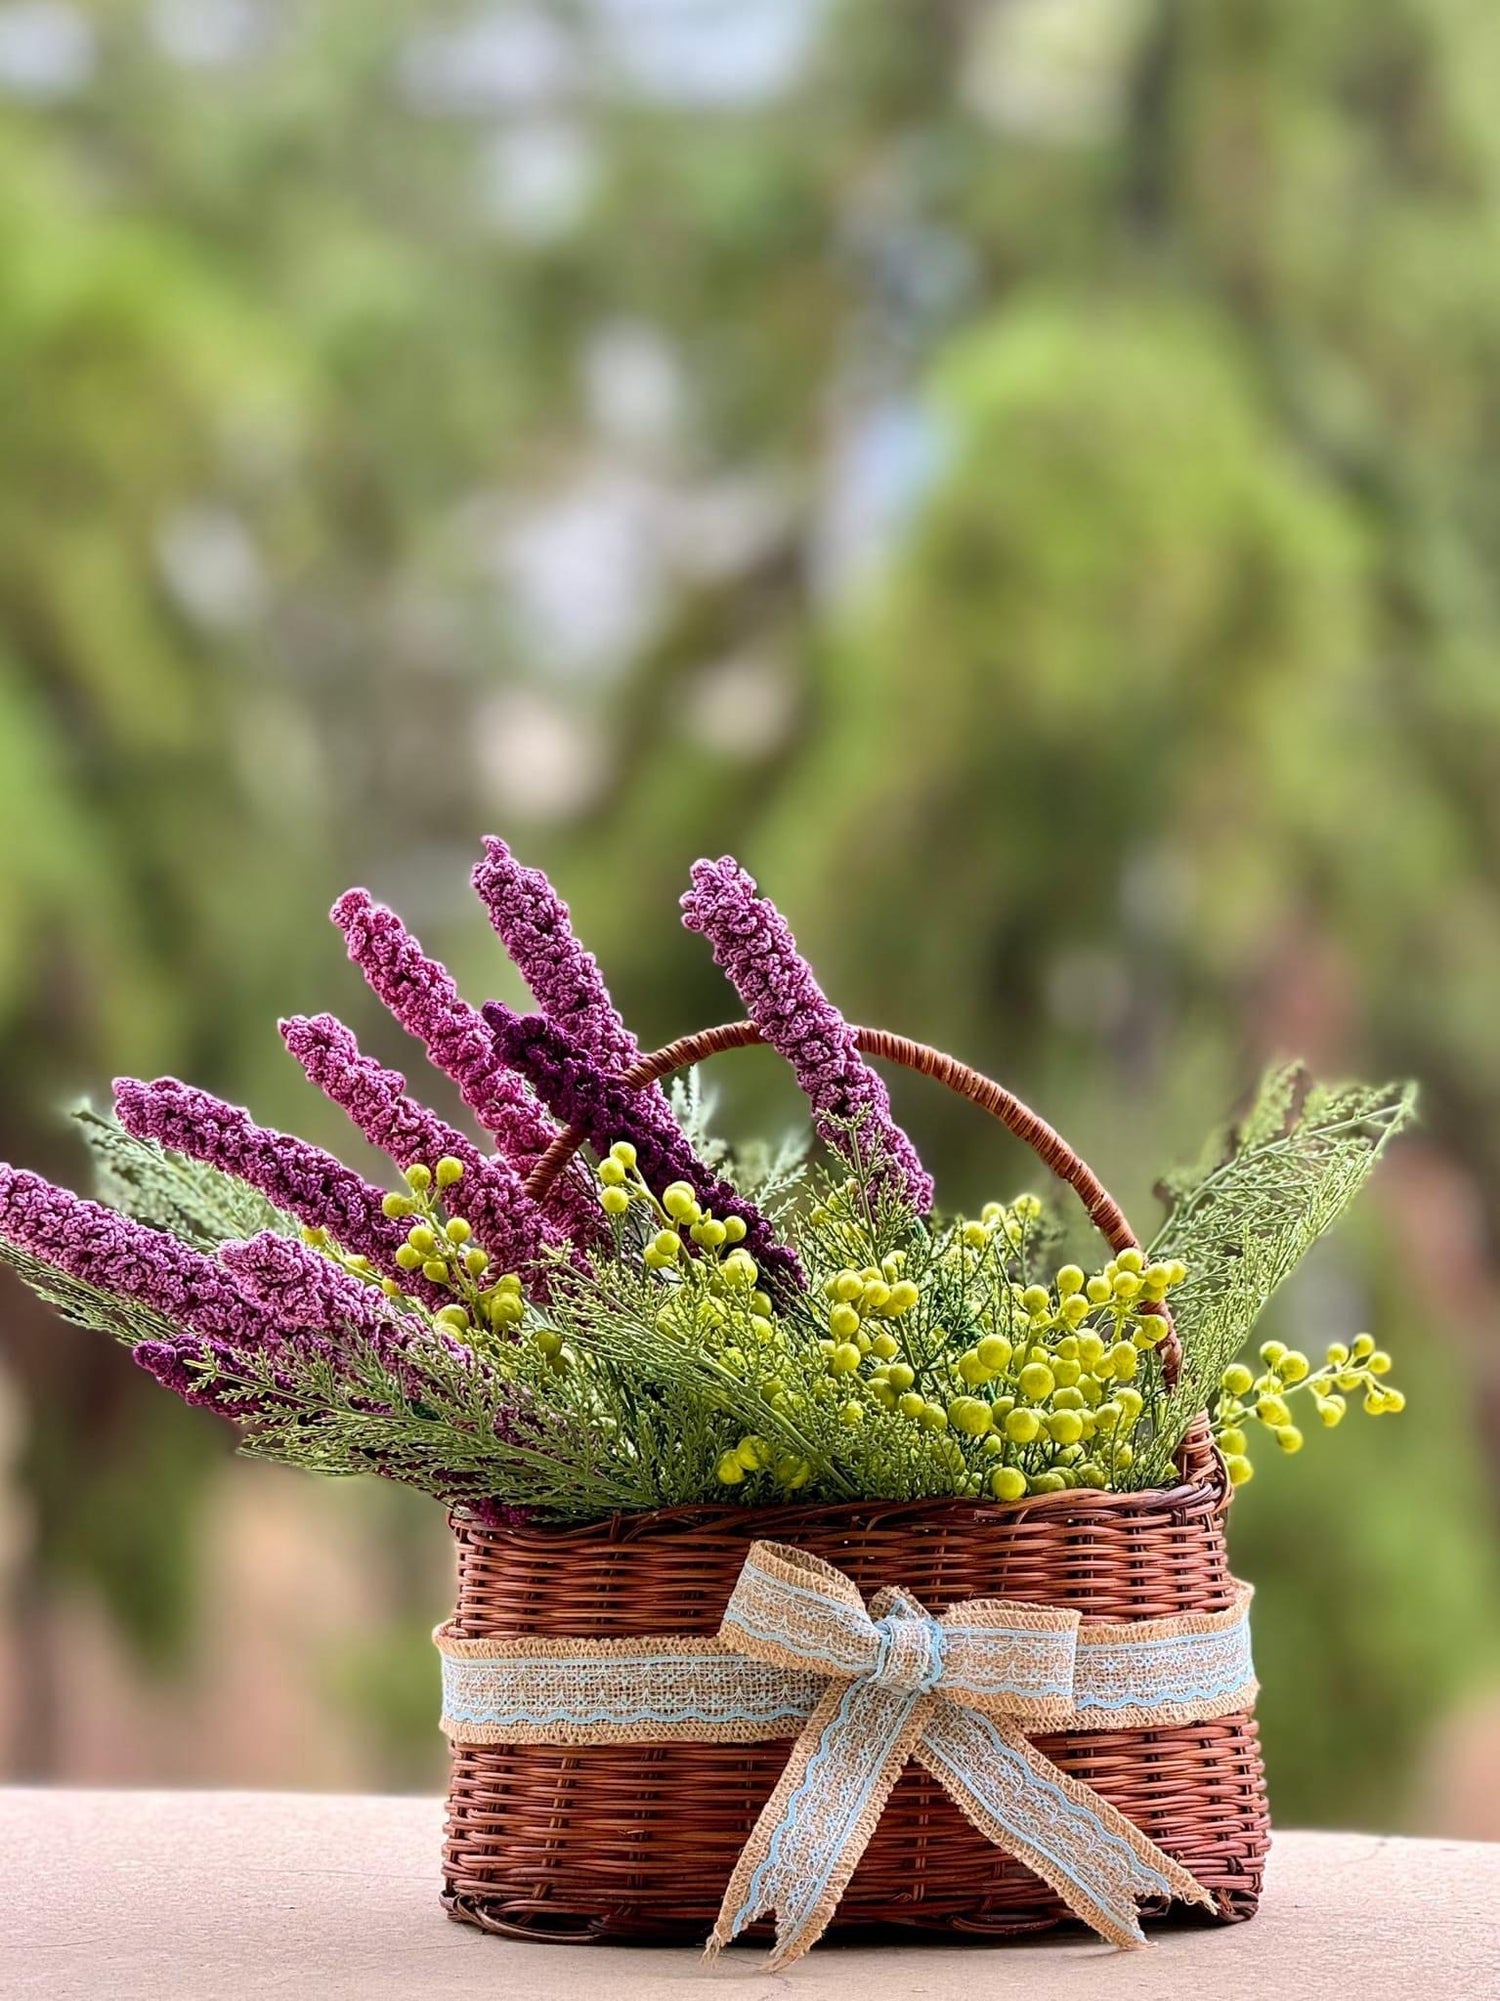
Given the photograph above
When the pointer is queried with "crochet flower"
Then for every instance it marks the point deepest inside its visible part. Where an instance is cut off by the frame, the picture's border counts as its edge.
(100, 1247)
(534, 925)
(318, 1307)
(302, 1179)
(604, 1109)
(491, 1195)
(421, 994)
(298, 1288)
(753, 944)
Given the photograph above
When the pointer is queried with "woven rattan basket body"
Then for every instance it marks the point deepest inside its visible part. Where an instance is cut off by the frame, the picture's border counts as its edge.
(637, 1841)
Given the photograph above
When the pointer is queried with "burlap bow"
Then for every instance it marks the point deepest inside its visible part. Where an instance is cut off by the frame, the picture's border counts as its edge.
(963, 1693)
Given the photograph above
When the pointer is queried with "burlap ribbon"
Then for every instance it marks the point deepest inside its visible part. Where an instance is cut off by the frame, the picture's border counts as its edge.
(867, 1689)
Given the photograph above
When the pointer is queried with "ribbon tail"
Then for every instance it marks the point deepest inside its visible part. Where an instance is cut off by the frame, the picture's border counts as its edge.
(1097, 1861)
(817, 1823)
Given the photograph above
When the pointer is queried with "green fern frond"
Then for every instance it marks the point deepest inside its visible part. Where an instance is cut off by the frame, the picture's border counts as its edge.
(111, 1313)
(693, 1106)
(1246, 1214)
(771, 1176)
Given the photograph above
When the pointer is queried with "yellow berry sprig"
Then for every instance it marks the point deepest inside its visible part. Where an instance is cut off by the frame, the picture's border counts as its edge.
(442, 1249)
(1245, 1397)
(622, 1187)
(1052, 1399)
(725, 1298)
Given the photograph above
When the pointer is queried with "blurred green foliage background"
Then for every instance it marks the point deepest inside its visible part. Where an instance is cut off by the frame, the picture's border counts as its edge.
(1020, 473)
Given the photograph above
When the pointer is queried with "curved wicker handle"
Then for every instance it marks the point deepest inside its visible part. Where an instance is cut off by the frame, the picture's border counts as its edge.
(1049, 1146)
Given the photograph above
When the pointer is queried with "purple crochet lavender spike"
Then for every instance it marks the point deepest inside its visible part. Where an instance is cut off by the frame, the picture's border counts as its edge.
(753, 944)
(492, 1195)
(99, 1246)
(302, 1179)
(314, 1301)
(317, 1305)
(421, 994)
(534, 925)
(300, 1289)
(604, 1110)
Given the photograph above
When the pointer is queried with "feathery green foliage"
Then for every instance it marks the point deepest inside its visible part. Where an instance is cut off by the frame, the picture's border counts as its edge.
(923, 1357)
(86, 1305)
(1244, 1216)
(438, 1422)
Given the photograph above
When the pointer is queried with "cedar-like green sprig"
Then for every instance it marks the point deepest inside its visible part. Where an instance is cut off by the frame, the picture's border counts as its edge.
(1243, 1218)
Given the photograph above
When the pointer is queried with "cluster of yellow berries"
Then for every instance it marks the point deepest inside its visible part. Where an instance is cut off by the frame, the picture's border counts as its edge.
(790, 1470)
(715, 1298)
(723, 1270)
(1042, 1401)
(1245, 1397)
(621, 1186)
(1052, 1399)
(442, 1248)
(1045, 1389)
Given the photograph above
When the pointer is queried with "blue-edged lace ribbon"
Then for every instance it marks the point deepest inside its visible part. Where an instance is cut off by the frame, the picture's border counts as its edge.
(862, 1690)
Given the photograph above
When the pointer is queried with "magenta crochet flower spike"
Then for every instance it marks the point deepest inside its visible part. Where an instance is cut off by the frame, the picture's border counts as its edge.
(753, 944)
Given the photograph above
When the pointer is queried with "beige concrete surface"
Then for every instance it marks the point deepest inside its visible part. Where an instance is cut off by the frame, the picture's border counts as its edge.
(207, 1896)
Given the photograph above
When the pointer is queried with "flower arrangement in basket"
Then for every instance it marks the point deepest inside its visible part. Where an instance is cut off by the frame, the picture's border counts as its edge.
(819, 1556)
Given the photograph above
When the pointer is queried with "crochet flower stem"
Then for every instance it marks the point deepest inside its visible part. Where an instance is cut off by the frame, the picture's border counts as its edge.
(298, 1177)
(604, 1109)
(753, 945)
(491, 1195)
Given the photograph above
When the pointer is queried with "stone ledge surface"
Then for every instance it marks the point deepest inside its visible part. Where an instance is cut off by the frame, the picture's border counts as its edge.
(120, 1896)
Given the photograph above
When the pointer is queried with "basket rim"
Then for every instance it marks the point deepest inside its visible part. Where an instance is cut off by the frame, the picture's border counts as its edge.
(1077, 1506)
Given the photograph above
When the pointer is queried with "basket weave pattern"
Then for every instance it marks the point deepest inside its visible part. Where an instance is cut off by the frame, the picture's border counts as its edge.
(637, 1841)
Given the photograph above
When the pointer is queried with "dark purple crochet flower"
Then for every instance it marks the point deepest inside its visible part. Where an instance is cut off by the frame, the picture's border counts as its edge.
(421, 994)
(754, 946)
(99, 1246)
(604, 1109)
(492, 1195)
(302, 1179)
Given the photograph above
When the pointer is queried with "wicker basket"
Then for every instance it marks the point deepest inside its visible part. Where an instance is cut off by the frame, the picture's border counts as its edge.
(637, 1841)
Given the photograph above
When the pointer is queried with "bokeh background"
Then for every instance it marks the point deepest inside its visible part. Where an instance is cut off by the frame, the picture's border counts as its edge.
(1020, 473)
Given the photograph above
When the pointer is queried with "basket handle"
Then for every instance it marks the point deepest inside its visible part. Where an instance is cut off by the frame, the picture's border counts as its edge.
(1049, 1146)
